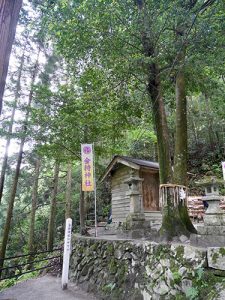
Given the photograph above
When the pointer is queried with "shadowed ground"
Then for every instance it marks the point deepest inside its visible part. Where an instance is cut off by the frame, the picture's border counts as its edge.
(44, 288)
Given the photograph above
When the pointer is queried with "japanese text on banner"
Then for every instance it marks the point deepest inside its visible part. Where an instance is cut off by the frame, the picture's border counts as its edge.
(87, 168)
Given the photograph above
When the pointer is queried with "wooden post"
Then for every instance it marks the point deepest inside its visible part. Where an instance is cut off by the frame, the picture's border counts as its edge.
(66, 253)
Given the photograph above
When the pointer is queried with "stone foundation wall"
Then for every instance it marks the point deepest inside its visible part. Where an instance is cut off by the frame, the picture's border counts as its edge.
(141, 270)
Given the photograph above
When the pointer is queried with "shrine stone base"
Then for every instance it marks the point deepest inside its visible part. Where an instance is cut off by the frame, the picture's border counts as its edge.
(208, 240)
(136, 226)
(212, 230)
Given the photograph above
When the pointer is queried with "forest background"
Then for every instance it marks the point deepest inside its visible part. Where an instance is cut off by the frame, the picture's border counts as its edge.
(79, 73)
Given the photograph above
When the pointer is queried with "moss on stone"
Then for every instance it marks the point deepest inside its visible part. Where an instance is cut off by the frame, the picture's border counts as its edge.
(222, 251)
(113, 266)
(205, 284)
(176, 277)
(94, 247)
(116, 278)
(180, 297)
(180, 252)
(215, 256)
(110, 249)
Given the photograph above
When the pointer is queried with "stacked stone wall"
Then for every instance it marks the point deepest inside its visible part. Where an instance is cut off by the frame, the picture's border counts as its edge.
(142, 270)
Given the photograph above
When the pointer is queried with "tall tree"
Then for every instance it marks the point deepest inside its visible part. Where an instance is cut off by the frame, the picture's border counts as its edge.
(9, 14)
(34, 206)
(9, 133)
(51, 223)
(17, 171)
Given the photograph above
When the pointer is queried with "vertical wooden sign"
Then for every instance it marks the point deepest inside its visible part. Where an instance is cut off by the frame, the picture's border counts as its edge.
(66, 253)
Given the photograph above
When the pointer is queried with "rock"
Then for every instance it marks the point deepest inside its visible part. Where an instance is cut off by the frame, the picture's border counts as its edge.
(165, 262)
(169, 277)
(186, 284)
(160, 271)
(157, 272)
(85, 270)
(182, 271)
(118, 254)
(146, 295)
(196, 256)
(161, 288)
(148, 270)
(134, 256)
(133, 263)
(173, 292)
(104, 254)
(216, 258)
(127, 255)
(183, 239)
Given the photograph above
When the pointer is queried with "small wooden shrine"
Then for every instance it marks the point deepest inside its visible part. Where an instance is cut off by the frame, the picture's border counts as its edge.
(134, 188)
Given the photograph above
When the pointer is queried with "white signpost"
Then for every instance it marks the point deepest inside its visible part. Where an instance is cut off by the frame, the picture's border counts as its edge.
(223, 168)
(66, 253)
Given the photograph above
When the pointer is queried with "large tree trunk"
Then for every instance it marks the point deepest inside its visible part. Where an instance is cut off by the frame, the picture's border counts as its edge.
(160, 122)
(154, 90)
(68, 212)
(180, 154)
(5, 159)
(11, 205)
(9, 14)
(17, 173)
(172, 224)
(181, 138)
(33, 206)
(51, 224)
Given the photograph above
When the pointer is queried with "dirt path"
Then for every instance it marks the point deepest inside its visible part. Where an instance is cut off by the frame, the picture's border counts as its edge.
(44, 288)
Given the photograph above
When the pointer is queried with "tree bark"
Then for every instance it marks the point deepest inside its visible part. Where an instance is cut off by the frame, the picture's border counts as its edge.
(172, 224)
(154, 90)
(17, 173)
(210, 132)
(34, 206)
(51, 224)
(160, 122)
(68, 212)
(180, 154)
(11, 205)
(9, 14)
(5, 159)
(181, 138)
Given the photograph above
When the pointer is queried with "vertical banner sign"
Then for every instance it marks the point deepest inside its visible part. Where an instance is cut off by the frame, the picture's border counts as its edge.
(87, 168)
(66, 253)
(223, 168)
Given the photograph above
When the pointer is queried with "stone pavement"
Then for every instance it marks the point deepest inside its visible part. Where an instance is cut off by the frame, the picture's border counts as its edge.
(44, 288)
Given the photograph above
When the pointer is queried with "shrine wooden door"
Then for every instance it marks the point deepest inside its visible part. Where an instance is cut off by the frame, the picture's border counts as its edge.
(150, 190)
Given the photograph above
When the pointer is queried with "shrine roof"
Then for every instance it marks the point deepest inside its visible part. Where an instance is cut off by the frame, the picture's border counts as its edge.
(134, 163)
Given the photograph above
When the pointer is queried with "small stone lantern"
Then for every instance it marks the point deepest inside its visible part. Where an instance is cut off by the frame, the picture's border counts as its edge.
(136, 218)
(212, 234)
(136, 205)
(214, 214)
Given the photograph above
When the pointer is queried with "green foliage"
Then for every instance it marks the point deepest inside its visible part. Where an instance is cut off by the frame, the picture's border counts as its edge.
(4, 284)
(203, 285)
(176, 277)
(192, 293)
(108, 288)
